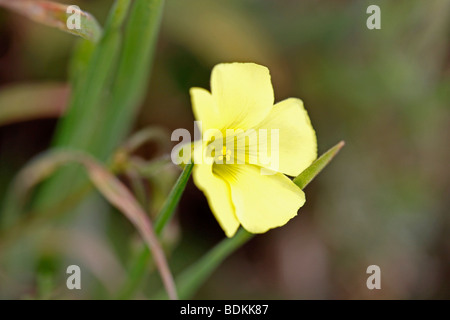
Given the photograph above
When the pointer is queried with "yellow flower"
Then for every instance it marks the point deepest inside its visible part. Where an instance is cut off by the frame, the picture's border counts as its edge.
(237, 189)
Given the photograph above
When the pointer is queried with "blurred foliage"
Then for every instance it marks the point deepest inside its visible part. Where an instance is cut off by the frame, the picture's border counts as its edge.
(384, 201)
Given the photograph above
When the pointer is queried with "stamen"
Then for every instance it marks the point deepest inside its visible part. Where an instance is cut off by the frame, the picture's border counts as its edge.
(226, 154)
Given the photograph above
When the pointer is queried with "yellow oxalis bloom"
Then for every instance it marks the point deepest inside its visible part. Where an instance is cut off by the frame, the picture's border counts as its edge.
(242, 97)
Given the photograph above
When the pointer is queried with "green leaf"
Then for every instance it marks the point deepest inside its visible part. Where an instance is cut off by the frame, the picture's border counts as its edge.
(80, 125)
(104, 102)
(131, 80)
(106, 183)
(304, 178)
(79, 63)
(56, 15)
(32, 101)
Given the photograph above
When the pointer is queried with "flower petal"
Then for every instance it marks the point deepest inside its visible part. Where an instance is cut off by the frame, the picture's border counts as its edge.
(262, 202)
(204, 108)
(297, 138)
(218, 194)
(243, 94)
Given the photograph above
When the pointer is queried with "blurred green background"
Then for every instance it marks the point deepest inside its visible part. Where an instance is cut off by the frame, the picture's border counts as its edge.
(384, 200)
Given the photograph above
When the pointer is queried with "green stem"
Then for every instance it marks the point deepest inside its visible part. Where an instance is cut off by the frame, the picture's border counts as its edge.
(141, 264)
(172, 201)
(138, 187)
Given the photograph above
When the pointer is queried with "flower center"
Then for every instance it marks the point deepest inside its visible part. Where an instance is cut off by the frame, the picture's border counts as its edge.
(225, 154)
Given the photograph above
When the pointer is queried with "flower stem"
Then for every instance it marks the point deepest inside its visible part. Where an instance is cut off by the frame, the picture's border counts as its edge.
(141, 264)
(172, 201)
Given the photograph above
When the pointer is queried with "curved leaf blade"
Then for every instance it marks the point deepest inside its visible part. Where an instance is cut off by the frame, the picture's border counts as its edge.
(56, 15)
(109, 186)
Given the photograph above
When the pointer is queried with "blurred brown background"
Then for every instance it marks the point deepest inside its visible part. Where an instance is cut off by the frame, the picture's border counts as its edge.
(383, 201)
